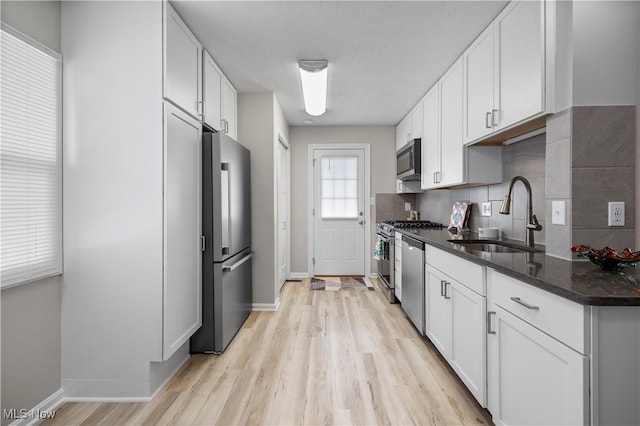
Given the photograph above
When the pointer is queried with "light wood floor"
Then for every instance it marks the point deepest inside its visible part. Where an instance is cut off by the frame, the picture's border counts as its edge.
(326, 357)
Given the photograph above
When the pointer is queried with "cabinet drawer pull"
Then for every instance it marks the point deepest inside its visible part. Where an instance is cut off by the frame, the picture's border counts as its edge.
(489, 313)
(486, 120)
(494, 112)
(525, 304)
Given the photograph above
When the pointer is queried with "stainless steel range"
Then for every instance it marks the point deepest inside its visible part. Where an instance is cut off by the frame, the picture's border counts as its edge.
(385, 250)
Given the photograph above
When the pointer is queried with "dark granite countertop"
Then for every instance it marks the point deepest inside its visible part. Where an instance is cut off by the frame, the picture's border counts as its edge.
(579, 281)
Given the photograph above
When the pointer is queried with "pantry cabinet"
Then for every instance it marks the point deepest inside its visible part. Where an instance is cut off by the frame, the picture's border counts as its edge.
(132, 223)
(505, 71)
(182, 289)
(182, 64)
(455, 315)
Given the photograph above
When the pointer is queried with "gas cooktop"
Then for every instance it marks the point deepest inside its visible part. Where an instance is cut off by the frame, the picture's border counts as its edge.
(389, 225)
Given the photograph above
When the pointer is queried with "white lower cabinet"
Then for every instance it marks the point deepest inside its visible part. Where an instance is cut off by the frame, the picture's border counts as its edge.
(535, 377)
(455, 321)
(397, 267)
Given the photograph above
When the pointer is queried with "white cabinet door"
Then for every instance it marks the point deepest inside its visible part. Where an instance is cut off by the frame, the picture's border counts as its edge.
(403, 132)
(397, 268)
(479, 81)
(437, 311)
(212, 92)
(229, 109)
(521, 69)
(182, 64)
(468, 354)
(416, 121)
(430, 144)
(533, 378)
(182, 298)
(451, 144)
(454, 322)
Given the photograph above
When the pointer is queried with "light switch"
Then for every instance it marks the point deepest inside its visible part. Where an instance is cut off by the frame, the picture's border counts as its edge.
(558, 213)
(485, 209)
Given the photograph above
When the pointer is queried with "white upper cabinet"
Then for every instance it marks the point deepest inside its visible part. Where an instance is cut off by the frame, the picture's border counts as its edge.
(211, 92)
(430, 149)
(403, 132)
(451, 146)
(229, 108)
(478, 63)
(182, 64)
(519, 36)
(446, 162)
(220, 107)
(505, 71)
(416, 121)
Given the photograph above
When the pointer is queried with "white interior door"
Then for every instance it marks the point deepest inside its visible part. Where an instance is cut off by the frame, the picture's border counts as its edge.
(338, 211)
(283, 213)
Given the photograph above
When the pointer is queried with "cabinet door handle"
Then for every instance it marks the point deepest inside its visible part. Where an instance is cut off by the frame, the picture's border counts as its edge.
(486, 120)
(445, 290)
(203, 245)
(434, 178)
(525, 304)
(489, 313)
(200, 108)
(442, 288)
(494, 112)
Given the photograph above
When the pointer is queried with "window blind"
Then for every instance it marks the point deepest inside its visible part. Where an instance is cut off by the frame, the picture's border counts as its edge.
(30, 171)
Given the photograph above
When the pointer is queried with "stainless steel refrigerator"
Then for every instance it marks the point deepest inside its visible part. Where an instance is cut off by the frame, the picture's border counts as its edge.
(226, 227)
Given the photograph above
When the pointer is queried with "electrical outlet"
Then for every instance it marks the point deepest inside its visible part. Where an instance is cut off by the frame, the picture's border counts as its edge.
(616, 213)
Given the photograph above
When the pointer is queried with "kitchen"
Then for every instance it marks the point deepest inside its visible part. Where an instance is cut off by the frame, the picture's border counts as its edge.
(590, 88)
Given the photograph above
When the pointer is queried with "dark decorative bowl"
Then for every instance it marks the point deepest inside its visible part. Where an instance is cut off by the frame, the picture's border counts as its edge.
(607, 258)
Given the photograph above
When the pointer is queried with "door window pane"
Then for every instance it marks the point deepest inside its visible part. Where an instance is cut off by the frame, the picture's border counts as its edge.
(339, 187)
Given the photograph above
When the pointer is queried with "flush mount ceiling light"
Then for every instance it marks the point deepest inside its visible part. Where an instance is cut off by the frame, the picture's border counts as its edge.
(313, 74)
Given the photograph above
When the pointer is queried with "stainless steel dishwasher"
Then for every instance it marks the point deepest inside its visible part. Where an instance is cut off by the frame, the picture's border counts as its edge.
(413, 280)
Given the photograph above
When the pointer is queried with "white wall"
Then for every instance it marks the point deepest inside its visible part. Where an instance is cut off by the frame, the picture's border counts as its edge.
(383, 172)
(260, 121)
(31, 330)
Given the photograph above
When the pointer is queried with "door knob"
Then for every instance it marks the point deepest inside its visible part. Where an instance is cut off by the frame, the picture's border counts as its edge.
(361, 222)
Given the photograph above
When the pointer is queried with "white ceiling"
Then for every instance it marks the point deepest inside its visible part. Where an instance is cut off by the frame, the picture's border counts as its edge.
(383, 55)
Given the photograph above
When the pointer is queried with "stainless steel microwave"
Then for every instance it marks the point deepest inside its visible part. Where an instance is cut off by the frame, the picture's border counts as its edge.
(408, 161)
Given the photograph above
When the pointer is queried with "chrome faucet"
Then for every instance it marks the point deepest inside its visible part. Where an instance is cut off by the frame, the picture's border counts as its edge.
(532, 220)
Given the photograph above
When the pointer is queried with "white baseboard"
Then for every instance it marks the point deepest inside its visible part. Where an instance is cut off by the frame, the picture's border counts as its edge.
(45, 410)
(269, 307)
(373, 275)
(298, 276)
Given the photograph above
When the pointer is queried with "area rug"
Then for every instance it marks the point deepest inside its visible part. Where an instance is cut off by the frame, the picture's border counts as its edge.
(340, 283)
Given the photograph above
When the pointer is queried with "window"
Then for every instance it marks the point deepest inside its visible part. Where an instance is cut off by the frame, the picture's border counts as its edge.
(30, 172)
(339, 187)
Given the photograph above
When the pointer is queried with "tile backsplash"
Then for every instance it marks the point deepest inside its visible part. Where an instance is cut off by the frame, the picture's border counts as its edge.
(525, 158)
(586, 158)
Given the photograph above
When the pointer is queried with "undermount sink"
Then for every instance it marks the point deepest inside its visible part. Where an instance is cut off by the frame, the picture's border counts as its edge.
(495, 246)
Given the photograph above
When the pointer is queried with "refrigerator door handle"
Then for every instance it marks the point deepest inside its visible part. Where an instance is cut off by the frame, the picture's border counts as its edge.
(225, 206)
(228, 268)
